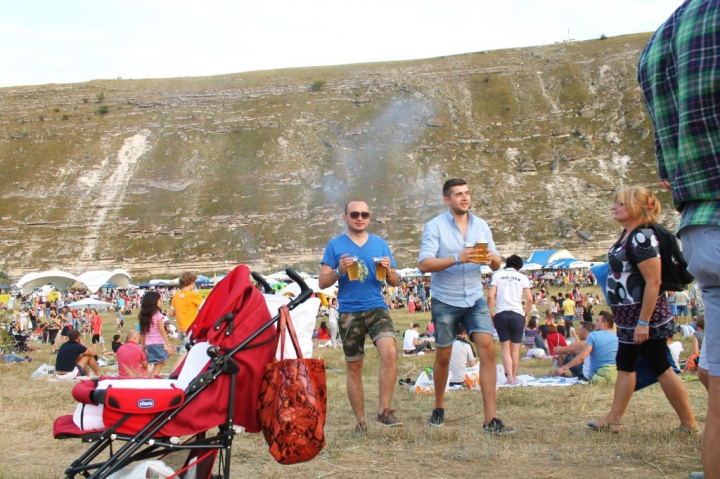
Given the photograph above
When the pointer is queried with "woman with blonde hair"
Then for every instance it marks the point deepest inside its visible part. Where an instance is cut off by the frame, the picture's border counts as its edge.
(642, 314)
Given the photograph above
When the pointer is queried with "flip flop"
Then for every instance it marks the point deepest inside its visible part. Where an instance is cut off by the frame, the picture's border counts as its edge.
(604, 425)
(688, 431)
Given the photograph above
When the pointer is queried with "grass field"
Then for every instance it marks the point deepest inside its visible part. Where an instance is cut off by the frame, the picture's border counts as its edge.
(552, 439)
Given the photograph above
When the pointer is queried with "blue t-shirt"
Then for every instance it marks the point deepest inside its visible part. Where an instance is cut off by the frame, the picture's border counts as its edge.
(364, 294)
(605, 346)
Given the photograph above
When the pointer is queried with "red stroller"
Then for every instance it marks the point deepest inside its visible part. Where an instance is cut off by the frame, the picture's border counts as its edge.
(237, 339)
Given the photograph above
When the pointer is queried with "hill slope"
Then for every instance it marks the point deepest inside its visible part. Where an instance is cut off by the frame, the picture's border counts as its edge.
(162, 175)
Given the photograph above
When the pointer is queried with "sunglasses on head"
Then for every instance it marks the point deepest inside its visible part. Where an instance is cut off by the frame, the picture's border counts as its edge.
(357, 214)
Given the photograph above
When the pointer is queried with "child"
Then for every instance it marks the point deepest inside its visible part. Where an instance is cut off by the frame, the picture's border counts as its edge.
(152, 331)
(119, 321)
(675, 349)
(116, 343)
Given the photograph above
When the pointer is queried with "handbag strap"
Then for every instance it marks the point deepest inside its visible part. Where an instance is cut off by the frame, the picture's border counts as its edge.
(286, 320)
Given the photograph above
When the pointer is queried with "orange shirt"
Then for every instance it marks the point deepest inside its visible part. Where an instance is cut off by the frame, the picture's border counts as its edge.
(186, 304)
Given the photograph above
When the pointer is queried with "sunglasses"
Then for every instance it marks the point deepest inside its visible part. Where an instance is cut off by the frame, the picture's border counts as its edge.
(356, 214)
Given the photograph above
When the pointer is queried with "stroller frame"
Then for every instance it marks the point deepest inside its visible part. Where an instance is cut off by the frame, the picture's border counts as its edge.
(133, 451)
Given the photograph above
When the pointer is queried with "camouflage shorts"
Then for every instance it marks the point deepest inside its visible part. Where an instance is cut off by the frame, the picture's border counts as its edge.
(354, 326)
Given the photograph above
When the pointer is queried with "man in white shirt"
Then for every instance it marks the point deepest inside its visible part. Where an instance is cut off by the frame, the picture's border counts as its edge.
(508, 288)
(412, 343)
(463, 355)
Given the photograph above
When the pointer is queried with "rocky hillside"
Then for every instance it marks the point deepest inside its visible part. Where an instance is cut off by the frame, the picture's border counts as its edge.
(158, 176)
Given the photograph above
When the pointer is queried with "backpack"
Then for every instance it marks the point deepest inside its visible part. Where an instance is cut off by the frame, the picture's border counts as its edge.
(675, 276)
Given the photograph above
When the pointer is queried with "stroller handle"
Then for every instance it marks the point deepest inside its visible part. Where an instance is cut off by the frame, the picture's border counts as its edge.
(305, 291)
(267, 289)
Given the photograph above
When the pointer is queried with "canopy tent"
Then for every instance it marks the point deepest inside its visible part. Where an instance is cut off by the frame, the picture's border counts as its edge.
(548, 256)
(409, 272)
(567, 263)
(59, 279)
(279, 276)
(163, 282)
(89, 303)
(528, 266)
(95, 280)
(294, 289)
(144, 285)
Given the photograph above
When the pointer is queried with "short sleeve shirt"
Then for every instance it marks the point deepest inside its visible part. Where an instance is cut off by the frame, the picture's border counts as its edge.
(510, 285)
(626, 287)
(462, 353)
(364, 294)
(68, 355)
(605, 346)
(409, 339)
(186, 305)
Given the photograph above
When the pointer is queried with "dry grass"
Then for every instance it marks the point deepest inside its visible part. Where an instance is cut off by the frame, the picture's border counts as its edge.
(552, 439)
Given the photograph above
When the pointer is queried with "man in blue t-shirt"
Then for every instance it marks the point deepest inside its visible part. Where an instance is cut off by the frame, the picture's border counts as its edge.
(362, 308)
(600, 349)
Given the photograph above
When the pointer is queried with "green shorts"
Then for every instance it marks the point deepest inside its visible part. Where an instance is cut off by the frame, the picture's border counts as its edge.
(354, 326)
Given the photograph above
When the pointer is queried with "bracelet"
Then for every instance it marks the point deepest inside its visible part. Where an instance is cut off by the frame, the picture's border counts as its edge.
(457, 261)
(563, 369)
(643, 323)
(337, 272)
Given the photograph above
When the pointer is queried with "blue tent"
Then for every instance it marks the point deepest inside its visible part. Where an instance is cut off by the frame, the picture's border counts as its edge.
(144, 285)
(548, 256)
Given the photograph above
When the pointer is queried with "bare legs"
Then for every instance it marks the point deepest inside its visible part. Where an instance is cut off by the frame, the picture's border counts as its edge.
(511, 359)
(488, 374)
(388, 374)
(671, 385)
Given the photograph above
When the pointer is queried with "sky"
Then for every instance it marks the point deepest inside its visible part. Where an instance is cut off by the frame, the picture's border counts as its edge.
(72, 41)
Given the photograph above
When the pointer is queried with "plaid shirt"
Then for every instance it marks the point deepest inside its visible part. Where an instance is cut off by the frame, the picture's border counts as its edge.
(679, 72)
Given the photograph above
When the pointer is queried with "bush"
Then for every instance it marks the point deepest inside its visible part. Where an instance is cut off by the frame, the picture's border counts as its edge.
(65, 118)
(100, 97)
(317, 85)
(102, 109)
(603, 37)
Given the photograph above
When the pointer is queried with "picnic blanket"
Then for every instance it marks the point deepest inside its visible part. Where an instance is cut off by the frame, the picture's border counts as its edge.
(528, 380)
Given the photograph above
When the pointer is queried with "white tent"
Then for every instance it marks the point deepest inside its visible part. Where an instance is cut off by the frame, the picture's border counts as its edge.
(294, 288)
(60, 279)
(94, 280)
(531, 267)
(89, 303)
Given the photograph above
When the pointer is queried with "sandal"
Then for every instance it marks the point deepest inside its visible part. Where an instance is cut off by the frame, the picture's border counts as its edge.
(604, 425)
(688, 431)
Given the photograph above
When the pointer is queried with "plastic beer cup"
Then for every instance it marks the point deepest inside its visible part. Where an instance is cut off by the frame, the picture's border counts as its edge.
(481, 249)
(380, 270)
(352, 270)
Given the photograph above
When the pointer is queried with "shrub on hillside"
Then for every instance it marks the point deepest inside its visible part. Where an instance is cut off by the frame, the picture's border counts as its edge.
(317, 85)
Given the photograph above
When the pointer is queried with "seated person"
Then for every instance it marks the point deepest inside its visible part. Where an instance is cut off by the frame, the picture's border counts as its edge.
(431, 329)
(73, 355)
(412, 343)
(533, 337)
(599, 352)
(116, 343)
(549, 319)
(462, 356)
(698, 336)
(554, 338)
(132, 361)
(565, 354)
(323, 332)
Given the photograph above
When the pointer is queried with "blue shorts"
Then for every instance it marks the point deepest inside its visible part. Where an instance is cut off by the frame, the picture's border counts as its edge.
(476, 319)
(80, 370)
(701, 248)
(681, 310)
(156, 353)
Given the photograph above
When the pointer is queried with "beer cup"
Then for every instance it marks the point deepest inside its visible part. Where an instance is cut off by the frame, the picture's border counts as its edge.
(481, 249)
(353, 271)
(380, 270)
